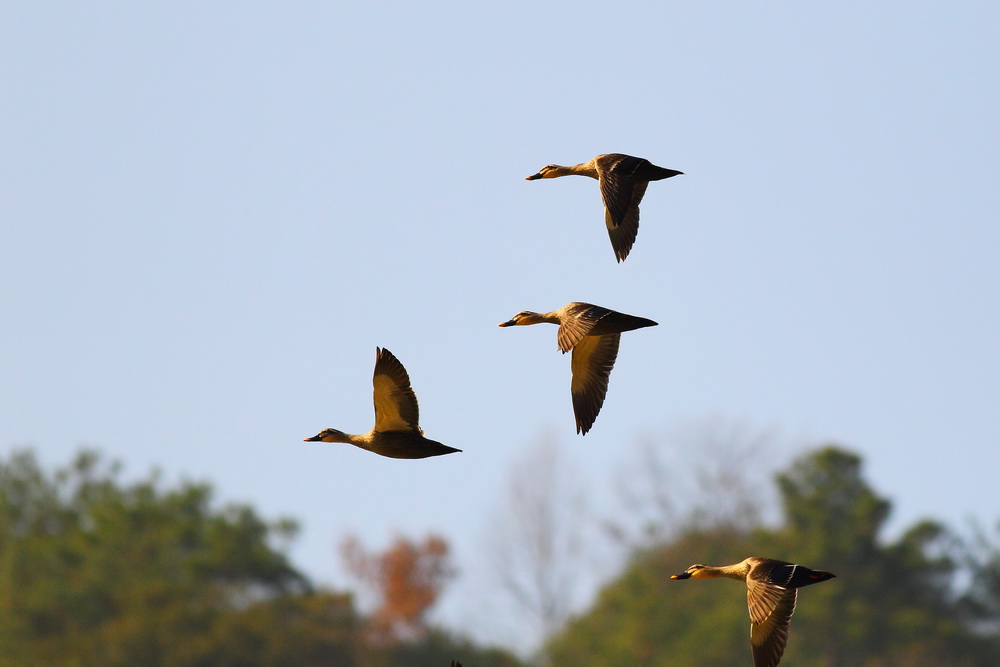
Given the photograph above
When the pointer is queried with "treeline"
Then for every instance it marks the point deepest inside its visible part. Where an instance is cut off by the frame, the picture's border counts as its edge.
(930, 598)
(94, 571)
(97, 572)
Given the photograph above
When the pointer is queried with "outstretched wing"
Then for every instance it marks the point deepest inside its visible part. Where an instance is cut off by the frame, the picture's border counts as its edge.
(593, 359)
(771, 609)
(395, 403)
(621, 211)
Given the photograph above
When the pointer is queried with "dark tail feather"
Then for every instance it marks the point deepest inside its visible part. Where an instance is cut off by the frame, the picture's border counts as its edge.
(810, 577)
(659, 173)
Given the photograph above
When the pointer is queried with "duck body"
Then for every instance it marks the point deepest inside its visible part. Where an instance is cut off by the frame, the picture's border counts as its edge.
(593, 334)
(623, 180)
(393, 444)
(609, 321)
(396, 433)
(772, 589)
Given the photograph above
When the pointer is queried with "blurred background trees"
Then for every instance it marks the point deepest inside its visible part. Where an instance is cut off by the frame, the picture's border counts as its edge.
(97, 571)
(894, 602)
(407, 578)
(538, 544)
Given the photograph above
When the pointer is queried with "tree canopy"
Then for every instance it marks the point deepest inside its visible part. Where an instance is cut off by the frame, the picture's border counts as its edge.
(94, 571)
(893, 603)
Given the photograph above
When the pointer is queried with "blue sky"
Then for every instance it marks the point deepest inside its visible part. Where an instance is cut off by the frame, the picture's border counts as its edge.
(213, 214)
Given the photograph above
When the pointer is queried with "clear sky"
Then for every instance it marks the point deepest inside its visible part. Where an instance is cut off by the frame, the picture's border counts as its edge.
(212, 213)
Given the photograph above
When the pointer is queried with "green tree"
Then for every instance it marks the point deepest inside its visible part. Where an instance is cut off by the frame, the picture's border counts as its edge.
(97, 572)
(981, 602)
(892, 604)
(644, 618)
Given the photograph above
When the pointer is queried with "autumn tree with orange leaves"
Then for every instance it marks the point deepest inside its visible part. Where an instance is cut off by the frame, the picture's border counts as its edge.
(407, 579)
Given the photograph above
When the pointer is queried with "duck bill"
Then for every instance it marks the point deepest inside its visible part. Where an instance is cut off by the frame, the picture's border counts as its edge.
(682, 575)
(508, 323)
(315, 438)
(534, 177)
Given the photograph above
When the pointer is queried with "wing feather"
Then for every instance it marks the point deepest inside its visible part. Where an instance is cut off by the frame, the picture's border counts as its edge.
(395, 403)
(578, 320)
(768, 638)
(762, 598)
(621, 211)
(593, 359)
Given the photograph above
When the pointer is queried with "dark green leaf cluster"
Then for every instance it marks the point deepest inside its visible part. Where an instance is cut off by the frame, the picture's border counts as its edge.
(94, 571)
(893, 603)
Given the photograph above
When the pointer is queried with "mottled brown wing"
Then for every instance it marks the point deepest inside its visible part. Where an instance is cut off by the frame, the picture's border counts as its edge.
(621, 213)
(395, 403)
(771, 609)
(593, 359)
(577, 320)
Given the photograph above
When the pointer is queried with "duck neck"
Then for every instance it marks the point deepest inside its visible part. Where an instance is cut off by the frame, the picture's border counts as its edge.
(339, 436)
(737, 571)
(588, 168)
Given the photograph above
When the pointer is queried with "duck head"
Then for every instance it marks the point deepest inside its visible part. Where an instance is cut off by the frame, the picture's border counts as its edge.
(329, 435)
(697, 571)
(549, 171)
(524, 317)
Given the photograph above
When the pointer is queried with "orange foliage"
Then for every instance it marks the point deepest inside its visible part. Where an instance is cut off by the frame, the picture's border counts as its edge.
(408, 579)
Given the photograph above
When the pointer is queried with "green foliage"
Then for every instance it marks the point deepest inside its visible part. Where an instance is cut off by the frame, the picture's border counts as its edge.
(890, 600)
(438, 649)
(892, 604)
(97, 572)
(646, 618)
(981, 602)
